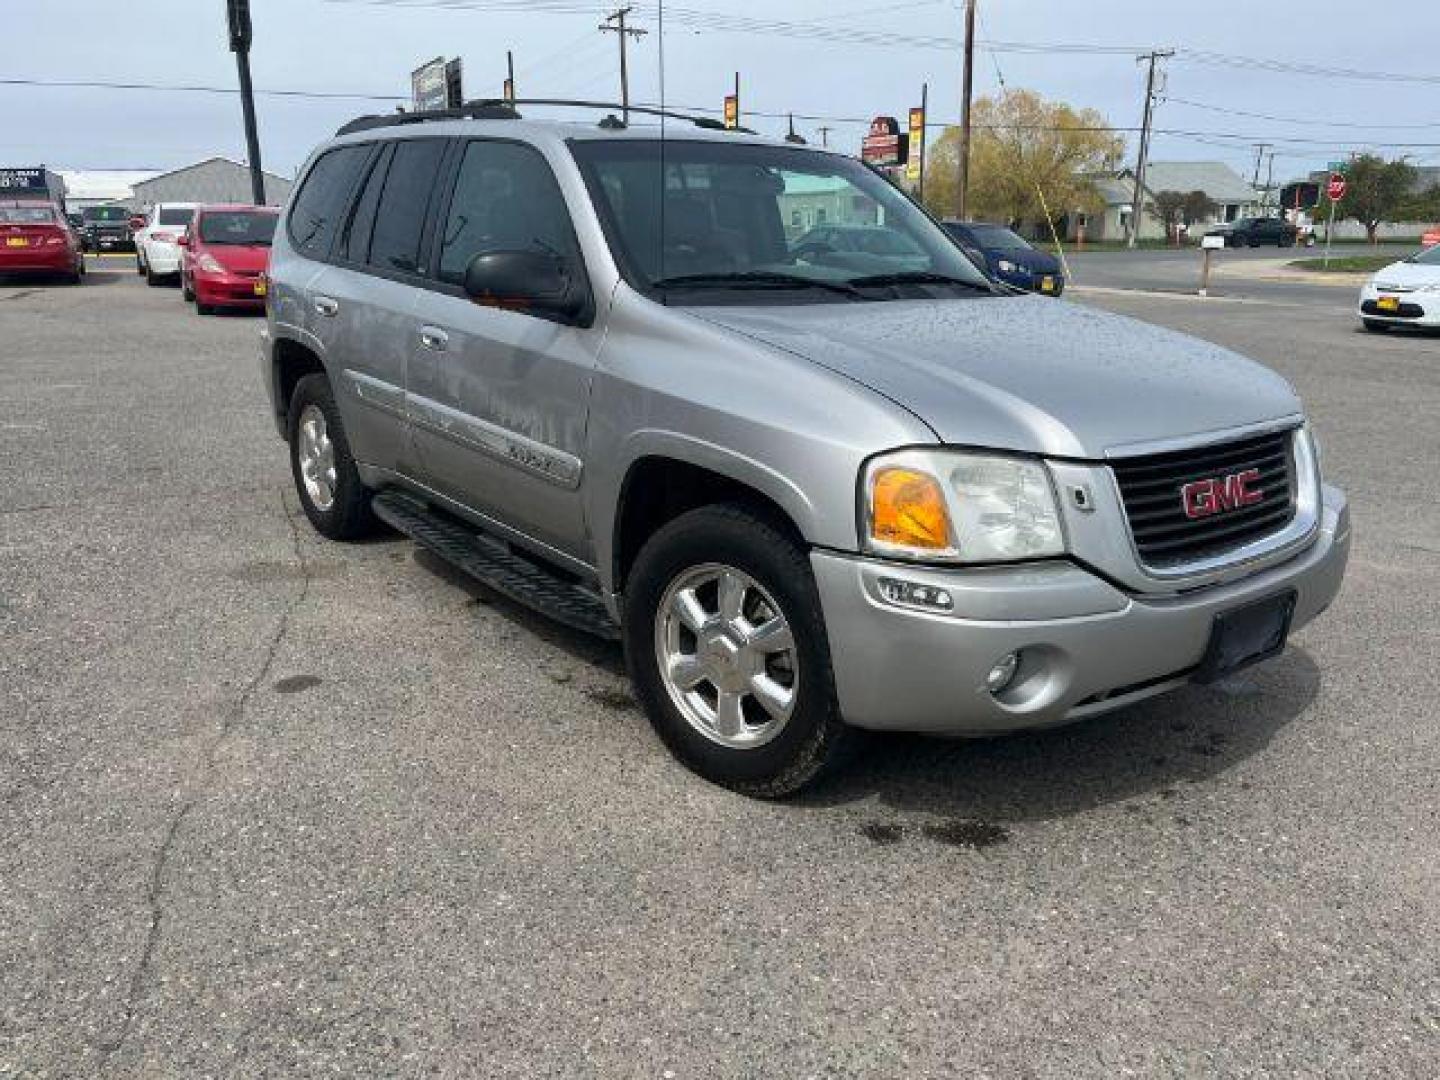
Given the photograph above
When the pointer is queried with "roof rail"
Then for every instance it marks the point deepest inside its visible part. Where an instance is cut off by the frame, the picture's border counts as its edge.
(504, 109)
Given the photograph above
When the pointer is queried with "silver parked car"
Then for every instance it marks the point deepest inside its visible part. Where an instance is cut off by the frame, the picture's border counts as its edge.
(615, 377)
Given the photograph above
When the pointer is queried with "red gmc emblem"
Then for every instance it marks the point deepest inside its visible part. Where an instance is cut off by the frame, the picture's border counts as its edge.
(1218, 494)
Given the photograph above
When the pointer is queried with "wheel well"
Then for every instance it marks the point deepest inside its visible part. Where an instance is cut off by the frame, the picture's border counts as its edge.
(658, 490)
(293, 362)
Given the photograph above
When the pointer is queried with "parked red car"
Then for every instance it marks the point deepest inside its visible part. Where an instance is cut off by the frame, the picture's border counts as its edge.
(225, 252)
(36, 238)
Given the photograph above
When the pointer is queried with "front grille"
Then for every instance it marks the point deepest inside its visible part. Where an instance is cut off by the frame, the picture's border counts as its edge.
(1151, 489)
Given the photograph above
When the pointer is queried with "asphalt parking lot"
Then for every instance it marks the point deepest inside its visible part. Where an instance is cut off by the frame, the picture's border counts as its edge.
(273, 806)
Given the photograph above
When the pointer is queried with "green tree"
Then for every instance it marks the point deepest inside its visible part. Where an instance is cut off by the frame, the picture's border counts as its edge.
(1198, 207)
(1169, 207)
(1376, 190)
(1020, 145)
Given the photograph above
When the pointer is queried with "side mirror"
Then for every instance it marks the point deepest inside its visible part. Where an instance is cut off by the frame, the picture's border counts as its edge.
(530, 281)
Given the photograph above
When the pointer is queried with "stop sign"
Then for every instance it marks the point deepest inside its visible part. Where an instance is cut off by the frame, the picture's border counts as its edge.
(1336, 187)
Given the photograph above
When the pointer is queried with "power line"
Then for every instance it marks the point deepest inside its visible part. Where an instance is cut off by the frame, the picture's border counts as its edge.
(1301, 120)
(95, 84)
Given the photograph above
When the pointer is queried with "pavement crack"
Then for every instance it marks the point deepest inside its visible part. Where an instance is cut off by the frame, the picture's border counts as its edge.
(154, 895)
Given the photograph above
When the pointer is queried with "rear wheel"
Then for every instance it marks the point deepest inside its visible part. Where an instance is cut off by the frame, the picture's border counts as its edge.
(140, 267)
(151, 278)
(726, 646)
(1376, 327)
(185, 290)
(329, 486)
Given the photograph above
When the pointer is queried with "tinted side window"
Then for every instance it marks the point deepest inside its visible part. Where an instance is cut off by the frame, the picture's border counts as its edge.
(506, 199)
(316, 213)
(355, 247)
(400, 217)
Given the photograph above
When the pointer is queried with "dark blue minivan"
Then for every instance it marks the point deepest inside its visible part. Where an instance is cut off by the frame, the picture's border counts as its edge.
(1008, 257)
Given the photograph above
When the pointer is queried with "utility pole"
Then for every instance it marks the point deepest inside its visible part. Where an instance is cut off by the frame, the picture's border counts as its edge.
(510, 75)
(824, 134)
(238, 17)
(1137, 206)
(968, 83)
(1260, 148)
(615, 24)
(1269, 181)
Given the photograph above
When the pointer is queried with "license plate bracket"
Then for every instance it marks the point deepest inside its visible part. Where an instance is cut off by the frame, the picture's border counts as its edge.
(1247, 635)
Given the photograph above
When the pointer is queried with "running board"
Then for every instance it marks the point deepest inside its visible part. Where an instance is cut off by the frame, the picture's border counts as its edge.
(490, 562)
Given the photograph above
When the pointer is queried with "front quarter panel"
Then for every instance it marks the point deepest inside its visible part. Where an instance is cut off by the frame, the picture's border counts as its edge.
(672, 385)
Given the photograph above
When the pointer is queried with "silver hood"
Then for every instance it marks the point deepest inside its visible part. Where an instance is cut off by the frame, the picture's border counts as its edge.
(1025, 373)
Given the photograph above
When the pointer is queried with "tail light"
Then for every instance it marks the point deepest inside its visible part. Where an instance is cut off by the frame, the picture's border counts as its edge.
(164, 237)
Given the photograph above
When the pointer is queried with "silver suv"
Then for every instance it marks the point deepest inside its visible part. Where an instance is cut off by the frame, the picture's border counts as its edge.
(812, 489)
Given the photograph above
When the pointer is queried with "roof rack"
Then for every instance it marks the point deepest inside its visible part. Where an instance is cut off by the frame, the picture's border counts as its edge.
(504, 109)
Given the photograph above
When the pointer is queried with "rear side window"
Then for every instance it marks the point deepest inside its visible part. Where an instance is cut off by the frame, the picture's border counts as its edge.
(175, 216)
(356, 245)
(506, 199)
(400, 216)
(318, 208)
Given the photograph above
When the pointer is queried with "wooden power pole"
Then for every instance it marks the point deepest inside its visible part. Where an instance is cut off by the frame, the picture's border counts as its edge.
(965, 91)
(615, 24)
(1137, 208)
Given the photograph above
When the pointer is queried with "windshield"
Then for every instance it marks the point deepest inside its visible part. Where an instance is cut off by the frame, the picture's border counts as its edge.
(175, 216)
(26, 215)
(237, 227)
(998, 237)
(1429, 257)
(766, 219)
(106, 213)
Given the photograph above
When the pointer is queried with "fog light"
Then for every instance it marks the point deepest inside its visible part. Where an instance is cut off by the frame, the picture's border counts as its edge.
(915, 594)
(1003, 673)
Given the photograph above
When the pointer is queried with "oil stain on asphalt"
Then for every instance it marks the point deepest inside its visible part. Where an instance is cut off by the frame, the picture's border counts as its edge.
(975, 835)
(294, 684)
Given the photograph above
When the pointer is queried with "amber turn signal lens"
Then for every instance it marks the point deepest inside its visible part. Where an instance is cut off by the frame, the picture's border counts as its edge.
(907, 508)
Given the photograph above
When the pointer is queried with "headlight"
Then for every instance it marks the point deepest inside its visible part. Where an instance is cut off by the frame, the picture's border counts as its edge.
(1005, 266)
(948, 506)
(210, 264)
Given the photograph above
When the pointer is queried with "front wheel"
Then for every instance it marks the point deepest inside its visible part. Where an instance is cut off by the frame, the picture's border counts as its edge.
(1376, 327)
(326, 479)
(726, 646)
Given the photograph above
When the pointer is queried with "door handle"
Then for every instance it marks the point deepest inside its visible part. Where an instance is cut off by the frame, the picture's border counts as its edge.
(327, 307)
(434, 339)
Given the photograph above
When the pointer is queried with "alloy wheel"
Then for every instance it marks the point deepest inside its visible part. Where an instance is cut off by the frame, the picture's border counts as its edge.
(316, 454)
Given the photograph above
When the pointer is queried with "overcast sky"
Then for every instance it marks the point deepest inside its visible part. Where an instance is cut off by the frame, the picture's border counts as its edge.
(370, 47)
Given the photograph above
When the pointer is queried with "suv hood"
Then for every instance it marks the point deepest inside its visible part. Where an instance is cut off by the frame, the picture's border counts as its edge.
(1025, 373)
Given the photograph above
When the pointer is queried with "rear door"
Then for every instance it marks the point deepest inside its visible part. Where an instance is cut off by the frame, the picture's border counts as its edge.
(366, 298)
(498, 398)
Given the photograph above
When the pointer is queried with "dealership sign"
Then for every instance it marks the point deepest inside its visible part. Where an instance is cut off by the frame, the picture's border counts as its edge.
(885, 144)
(917, 145)
(23, 180)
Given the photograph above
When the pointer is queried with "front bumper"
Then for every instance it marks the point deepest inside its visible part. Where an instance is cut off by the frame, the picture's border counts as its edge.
(1414, 308)
(228, 290)
(1086, 646)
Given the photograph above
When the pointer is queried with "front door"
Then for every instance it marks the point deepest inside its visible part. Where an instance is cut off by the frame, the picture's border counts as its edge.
(498, 398)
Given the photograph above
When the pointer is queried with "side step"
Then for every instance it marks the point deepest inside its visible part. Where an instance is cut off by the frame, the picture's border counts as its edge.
(492, 563)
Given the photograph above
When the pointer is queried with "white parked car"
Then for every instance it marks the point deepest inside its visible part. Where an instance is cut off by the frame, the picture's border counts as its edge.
(157, 255)
(1405, 293)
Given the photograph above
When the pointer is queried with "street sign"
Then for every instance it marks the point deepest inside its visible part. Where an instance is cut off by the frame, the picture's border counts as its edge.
(884, 144)
(1212, 242)
(427, 85)
(1335, 189)
(732, 111)
(1338, 166)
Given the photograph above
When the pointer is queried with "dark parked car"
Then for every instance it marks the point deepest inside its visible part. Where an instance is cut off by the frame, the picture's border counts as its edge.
(1008, 257)
(106, 228)
(1254, 231)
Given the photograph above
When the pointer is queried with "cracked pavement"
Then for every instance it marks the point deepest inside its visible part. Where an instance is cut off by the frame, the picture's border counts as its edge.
(274, 806)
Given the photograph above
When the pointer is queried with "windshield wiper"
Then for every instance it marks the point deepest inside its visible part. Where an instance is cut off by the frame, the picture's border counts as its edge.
(917, 277)
(762, 279)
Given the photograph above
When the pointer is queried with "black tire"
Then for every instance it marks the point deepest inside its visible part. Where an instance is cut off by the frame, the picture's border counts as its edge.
(1376, 327)
(140, 266)
(203, 309)
(151, 278)
(815, 738)
(349, 516)
(185, 290)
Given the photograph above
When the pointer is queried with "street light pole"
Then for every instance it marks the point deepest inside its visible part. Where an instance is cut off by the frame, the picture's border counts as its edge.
(238, 17)
(965, 92)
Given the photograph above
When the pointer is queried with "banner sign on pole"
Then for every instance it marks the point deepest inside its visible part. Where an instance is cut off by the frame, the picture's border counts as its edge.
(917, 145)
